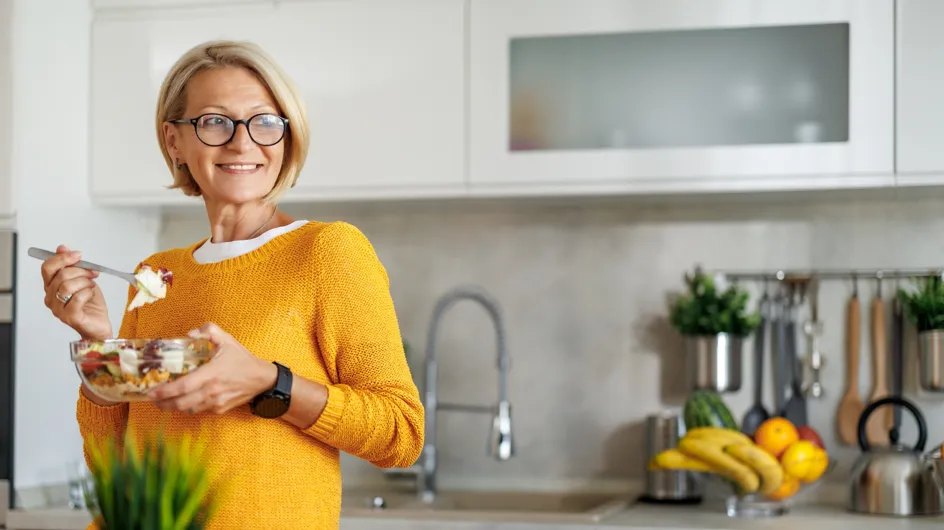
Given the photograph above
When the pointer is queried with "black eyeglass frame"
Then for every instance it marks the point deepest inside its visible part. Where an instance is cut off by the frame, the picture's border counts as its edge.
(193, 121)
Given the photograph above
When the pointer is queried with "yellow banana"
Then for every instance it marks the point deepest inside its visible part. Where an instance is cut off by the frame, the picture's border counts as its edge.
(727, 436)
(714, 455)
(763, 463)
(675, 460)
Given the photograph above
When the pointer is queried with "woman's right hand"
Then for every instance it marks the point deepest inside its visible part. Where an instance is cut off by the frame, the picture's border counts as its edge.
(84, 309)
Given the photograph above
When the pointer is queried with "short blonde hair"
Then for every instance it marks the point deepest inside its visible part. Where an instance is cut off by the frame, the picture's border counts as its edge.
(225, 53)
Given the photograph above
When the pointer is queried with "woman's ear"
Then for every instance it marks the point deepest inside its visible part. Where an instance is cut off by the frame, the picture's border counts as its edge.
(170, 140)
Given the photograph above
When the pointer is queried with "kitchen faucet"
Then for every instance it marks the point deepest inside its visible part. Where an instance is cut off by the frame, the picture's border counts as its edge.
(500, 445)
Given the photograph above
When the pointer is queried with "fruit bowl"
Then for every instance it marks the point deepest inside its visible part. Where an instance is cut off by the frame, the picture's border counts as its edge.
(739, 504)
(762, 475)
(125, 370)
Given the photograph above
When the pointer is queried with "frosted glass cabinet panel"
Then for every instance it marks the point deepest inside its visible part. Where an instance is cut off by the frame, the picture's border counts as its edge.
(680, 88)
(691, 90)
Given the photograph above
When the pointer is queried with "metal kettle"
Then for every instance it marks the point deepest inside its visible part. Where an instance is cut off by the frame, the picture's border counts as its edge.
(895, 480)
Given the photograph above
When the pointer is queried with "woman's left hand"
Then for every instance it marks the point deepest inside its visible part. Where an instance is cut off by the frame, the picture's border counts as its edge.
(232, 378)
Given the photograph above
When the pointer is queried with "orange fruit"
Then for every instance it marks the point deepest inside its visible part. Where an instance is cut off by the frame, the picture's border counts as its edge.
(817, 466)
(787, 489)
(799, 459)
(776, 435)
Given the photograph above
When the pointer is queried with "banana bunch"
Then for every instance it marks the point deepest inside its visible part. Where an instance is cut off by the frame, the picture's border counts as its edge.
(727, 453)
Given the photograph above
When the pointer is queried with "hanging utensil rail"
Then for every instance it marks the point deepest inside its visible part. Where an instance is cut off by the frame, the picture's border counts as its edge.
(832, 274)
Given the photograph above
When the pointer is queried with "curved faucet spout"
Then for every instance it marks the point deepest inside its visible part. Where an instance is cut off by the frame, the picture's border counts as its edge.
(501, 445)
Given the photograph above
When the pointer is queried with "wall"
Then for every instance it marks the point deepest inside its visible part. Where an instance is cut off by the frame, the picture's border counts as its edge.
(583, 289)
(50, 164)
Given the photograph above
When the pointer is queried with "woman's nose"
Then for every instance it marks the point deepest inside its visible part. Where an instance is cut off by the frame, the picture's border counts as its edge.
(241, 140)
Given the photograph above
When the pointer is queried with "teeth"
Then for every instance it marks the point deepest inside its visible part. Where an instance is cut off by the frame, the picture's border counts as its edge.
(239, 167)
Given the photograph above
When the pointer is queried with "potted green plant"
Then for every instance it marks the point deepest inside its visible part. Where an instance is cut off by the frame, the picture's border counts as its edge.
(714, 323)
(159, 486)
(924, 305)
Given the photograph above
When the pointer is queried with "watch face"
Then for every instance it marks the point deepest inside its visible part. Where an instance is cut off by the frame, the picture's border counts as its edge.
(271, 407)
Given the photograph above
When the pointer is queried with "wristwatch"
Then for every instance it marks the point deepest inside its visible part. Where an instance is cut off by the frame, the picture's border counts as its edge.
(274, 402)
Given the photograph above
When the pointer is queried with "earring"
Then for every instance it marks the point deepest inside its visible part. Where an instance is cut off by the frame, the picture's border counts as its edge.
(177, 162)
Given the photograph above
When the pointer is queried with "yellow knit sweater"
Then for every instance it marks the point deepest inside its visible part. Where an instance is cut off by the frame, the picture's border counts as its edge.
(317, 300)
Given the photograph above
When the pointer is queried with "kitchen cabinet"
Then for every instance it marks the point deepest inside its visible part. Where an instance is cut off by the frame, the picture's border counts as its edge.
(382, 82)
(132, 4)
(131, 54)
(385, 85)
(681, 94)
(6, 109)
(920, 115)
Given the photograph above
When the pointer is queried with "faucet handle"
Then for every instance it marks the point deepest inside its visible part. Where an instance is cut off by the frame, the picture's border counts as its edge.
(501, 444)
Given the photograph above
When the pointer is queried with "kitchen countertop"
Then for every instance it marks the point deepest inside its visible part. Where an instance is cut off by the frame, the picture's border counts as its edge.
(633, 516)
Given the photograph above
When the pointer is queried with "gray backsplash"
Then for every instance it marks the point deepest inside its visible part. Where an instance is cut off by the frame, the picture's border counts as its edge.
(583, 288)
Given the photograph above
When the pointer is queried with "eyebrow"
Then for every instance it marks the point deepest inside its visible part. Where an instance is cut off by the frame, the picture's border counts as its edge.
(224, 109)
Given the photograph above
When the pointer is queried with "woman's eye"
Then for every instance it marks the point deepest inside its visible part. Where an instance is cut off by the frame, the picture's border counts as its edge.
(269, 121)
(212, 121)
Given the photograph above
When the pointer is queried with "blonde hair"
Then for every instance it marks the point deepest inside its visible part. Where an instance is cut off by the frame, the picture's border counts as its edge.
(224, 53)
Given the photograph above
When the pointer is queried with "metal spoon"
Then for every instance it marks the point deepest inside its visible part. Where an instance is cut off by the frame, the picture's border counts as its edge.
(43, 255)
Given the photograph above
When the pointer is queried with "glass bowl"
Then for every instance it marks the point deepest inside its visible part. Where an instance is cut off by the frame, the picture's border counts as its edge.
(125, 370)
(738, 504)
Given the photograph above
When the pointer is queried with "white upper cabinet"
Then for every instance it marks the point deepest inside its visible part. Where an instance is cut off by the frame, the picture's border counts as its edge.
(691, 94)
(131, 54)
(383, 83)
(920, 113)
(132, 4)
(385, 86)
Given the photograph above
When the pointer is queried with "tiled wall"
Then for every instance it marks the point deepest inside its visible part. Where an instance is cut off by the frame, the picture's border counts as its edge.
(583, 289)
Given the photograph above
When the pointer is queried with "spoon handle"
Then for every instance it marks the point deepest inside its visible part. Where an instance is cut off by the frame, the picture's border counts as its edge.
(41, 254)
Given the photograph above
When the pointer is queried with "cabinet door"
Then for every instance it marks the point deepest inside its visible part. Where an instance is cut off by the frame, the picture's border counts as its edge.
(920, 115)
(691, 93)
(131, 54)
(384, 85)
(131, 4)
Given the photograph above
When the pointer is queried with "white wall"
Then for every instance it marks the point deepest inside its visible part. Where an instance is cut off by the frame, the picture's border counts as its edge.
(6, 107)
(50, 165)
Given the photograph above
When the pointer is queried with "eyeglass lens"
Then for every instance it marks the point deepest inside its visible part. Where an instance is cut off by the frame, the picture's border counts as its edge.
(217, 129)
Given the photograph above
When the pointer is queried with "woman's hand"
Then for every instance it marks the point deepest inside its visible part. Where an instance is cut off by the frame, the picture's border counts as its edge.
(73, 296)
(232, 378)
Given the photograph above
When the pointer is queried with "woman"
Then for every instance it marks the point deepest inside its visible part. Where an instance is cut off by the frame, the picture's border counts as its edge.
(266, 289)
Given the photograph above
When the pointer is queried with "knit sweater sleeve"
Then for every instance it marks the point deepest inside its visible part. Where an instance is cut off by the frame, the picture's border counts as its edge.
(95, 421)
(373, 410)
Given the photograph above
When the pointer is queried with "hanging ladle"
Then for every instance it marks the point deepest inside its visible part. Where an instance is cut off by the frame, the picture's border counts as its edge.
(757, 414)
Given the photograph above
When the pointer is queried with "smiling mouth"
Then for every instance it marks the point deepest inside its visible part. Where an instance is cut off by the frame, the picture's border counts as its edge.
(239, 168)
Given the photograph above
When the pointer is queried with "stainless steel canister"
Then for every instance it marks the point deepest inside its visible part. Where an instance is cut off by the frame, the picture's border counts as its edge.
(931, 360)
(714, 362)
(663, 431)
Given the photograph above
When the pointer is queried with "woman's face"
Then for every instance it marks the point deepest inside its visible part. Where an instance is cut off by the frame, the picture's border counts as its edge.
(240, 170)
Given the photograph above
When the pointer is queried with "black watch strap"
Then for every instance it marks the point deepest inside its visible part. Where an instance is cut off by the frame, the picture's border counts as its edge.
(283, 383)
(275, 401)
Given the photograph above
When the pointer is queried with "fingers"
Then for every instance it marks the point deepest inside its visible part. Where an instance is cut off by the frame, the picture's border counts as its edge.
(185, 385)
(79, 298)
(211, 332)
(192, 402)
(67, 282)
(188, 398)
(53, 265)
(74, 285)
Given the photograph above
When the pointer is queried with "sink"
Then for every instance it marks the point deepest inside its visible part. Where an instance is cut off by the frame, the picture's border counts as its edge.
(486, 505)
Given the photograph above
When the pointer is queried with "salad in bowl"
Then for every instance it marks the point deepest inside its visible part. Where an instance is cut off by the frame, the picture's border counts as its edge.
(127, 369)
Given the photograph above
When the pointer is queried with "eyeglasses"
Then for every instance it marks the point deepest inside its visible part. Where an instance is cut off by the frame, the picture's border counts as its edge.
(218, 129)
